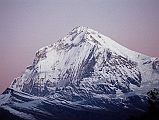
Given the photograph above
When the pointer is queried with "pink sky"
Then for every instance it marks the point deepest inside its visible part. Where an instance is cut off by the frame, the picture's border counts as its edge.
(27, 25)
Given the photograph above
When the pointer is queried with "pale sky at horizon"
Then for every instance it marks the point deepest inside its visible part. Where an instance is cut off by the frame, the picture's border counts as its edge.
(27, 25)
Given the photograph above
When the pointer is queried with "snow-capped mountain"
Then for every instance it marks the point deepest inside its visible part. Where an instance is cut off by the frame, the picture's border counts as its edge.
(85, 69)
(88, 62)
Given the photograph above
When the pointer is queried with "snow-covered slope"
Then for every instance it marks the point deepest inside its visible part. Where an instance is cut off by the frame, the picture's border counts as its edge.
(87, 63)
(84, 69)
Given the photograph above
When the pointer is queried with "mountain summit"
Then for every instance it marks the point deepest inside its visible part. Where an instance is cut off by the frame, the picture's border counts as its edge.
(90, 70)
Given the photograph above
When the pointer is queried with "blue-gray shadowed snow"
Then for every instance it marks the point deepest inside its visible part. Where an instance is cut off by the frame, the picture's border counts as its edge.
(85, 75)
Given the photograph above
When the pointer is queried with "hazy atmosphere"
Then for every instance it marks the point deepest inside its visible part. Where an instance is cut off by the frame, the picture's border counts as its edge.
(27, 25)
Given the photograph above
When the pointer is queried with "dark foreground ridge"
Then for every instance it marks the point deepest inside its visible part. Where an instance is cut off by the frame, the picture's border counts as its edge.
(42, 109)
